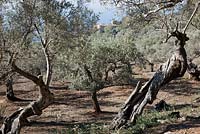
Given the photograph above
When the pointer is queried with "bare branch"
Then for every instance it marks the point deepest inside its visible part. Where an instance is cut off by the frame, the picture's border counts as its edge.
(158, 5)
(39, 34)
(49, 67)
(191, 17)
(47, 57)
(168, 4)
(25, 74)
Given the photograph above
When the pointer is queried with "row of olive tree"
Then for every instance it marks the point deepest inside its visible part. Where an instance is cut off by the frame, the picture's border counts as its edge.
(63, 33)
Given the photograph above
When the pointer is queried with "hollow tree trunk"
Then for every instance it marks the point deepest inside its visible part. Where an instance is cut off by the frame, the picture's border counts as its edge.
(175, 67)
(95, 102)
(13, 123)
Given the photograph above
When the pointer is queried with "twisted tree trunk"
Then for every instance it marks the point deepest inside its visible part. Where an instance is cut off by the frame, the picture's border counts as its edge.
(175, 67)
(14, 122)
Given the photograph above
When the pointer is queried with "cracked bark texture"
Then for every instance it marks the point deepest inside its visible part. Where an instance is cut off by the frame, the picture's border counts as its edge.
(175, 67)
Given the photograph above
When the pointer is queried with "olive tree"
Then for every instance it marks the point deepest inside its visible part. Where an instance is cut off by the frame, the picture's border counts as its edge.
(175, 66)
(37, 30)
(103, 60)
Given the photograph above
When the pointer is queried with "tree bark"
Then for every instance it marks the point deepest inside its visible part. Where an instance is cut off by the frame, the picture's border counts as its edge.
(175, 67)
(95, 102)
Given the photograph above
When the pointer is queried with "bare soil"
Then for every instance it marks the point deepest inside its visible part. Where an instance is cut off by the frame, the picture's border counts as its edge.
(74, 107)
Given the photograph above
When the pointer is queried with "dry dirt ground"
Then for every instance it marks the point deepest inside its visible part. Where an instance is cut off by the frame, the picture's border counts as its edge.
(75, 107)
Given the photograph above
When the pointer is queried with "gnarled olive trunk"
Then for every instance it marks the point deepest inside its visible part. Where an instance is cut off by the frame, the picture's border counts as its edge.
(175, 67)
(13, 123)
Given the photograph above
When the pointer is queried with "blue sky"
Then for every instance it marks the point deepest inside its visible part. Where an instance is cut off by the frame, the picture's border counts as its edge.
(107, 12)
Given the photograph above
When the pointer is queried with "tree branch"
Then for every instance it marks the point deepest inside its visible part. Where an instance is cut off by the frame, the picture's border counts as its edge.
(47, 57)
(25, 74)
(168, 4)
(191, 17)
(39, 34)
